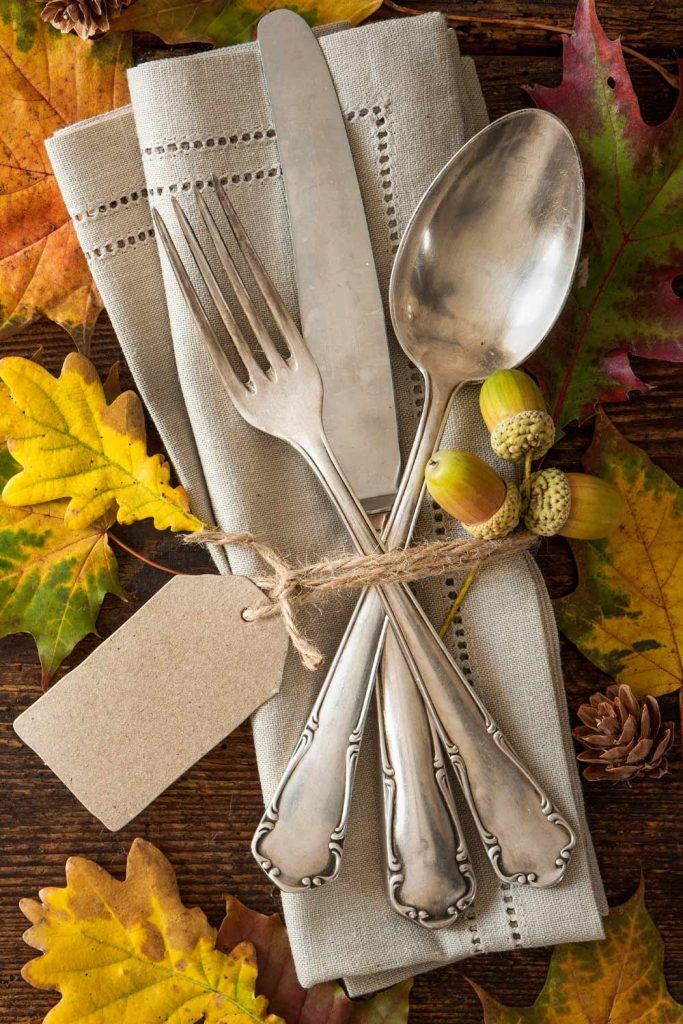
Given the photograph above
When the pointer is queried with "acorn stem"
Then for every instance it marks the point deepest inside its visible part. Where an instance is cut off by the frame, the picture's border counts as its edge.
(460, 597)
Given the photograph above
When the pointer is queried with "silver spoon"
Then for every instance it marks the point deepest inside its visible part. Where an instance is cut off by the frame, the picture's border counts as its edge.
(487, 260)
(482, 272)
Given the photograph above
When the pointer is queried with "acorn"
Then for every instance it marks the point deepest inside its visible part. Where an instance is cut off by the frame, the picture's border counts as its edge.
(514, 411)
(469, 490)
(573, 504)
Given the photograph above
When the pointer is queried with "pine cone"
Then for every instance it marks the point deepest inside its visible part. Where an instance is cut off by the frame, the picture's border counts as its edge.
(84, 17)
(622, 736)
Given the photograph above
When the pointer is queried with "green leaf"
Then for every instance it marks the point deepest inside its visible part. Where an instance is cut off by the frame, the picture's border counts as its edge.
(224, 22)
(623, 299)
(626, 614)
(52, 579)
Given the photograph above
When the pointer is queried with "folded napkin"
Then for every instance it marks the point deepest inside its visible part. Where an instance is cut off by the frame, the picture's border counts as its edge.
(409, 95)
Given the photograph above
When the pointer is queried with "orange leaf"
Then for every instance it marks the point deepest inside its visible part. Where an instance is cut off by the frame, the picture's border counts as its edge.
(47, 81)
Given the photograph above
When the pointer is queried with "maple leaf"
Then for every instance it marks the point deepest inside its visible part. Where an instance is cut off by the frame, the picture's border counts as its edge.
(72, 444)
(326, 1003)
(130, 951)
(52, 579)
(626, 614)
(623, 300)
(617, 981)
(47, 81)
(224, 22)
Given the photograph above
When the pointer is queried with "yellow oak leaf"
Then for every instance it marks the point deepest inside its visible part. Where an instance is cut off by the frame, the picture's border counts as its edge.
(121, 952)
(626, 614)
(72, 444)
(11, 419)
(618, 981)
(47, 81)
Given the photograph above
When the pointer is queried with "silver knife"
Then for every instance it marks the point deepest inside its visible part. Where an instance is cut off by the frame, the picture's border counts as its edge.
(300, 840)
(342, 317)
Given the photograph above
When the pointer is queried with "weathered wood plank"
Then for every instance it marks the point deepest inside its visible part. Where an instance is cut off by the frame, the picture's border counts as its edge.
(204, 822)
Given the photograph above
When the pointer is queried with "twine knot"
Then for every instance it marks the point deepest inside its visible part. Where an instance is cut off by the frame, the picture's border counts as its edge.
(289, 586)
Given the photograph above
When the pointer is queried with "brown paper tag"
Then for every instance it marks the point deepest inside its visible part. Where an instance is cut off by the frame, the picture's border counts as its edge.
(157, 695)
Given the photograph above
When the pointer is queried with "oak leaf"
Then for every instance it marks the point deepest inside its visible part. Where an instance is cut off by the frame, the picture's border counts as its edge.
(47, 81)
(626, 614)
(224, 22)
(72, 444)
(52, 579)
(130, 951)
(618, 981)
(623, 299)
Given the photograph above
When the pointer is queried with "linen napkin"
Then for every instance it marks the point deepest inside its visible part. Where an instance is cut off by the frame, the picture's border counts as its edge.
(410, 101)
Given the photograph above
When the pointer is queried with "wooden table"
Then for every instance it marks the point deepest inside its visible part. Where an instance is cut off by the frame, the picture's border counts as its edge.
(204, 822)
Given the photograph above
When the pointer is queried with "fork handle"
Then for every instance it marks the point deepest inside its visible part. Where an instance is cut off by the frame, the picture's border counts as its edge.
(527, 840)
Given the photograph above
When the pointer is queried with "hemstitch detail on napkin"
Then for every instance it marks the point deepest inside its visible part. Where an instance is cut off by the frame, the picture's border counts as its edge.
(262, 174)
(379, 114)
(473, 929)
(382, 138)
(512, 915)
(238, 138)
(213, 141)
(102, 209)
(113, 246)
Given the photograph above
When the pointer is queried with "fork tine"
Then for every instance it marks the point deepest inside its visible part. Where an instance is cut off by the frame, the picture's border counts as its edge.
(240, 342)
(202, 322)
(260, 330)
(272, 297)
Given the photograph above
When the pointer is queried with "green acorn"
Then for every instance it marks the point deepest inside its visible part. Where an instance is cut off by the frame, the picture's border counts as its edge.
(469, 490)
(514, 411)
(573, 504)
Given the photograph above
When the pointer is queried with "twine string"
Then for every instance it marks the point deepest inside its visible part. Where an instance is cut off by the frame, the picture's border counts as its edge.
(289, 586)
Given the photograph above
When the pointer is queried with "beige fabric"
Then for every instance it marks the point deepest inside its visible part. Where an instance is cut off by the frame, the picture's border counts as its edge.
(208, 114)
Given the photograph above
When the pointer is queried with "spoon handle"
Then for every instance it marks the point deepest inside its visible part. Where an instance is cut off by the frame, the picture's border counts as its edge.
(515, 819)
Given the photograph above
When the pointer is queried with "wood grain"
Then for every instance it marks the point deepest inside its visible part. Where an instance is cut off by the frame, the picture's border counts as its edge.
(204, 823)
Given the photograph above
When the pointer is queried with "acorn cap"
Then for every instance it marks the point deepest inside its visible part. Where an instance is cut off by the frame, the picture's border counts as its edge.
(573, 505)
(470, 490)
(529, 431)
(549, 502)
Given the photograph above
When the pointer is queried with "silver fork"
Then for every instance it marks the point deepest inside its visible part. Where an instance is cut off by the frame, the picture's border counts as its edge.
(285, 400)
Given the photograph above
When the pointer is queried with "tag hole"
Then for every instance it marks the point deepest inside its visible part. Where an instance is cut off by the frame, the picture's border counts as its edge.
(244, 615)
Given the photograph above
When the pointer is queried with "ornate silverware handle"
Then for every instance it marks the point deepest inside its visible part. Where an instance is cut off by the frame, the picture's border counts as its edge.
(300, 839)
(499, 790)
(429, 876)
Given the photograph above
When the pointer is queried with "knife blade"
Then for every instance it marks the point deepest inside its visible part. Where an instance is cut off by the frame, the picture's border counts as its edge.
(340, 305)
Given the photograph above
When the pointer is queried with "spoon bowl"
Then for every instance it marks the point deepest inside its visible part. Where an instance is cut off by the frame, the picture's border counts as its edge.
(488, 257)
